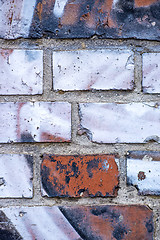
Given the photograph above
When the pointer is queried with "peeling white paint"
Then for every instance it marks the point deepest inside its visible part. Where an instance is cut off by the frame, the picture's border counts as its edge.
(16, 175)
(41, 223)
(151, 169)
(112, 123)
(16, 18)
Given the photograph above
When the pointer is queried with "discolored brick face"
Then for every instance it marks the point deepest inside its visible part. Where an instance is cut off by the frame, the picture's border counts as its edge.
(143, 169)
(111, 222)
(79, 176)
(77, 223)
(35, 122)
(80, 19)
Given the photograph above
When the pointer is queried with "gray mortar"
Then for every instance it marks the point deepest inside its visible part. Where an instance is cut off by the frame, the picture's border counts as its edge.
(81, 144)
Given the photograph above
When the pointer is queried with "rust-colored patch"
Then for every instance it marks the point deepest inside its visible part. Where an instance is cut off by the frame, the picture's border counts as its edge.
(68, 18)
(39, 10)
(141, 176)
(46, 137)
(5, 53)
(144, 3)
(77, 176)
(111, 222)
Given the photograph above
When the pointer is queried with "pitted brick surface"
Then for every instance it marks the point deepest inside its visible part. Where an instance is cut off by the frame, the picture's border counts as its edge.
(79, 176)
(80, 19)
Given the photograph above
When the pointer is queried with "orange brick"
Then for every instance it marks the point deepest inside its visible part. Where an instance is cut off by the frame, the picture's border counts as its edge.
(77, 176)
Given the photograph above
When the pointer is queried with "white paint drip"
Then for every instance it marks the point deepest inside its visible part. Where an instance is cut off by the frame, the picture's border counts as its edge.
(59, 7)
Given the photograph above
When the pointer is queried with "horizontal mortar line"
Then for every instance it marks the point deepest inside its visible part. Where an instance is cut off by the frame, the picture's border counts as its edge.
(25, 43)
(79, 202)
(37, 149)
(82, 97)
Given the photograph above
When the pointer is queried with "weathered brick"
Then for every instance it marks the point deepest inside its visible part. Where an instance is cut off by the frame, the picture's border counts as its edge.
(143, 171)
(112, 123)
(93, 69)
(151, 72)
(21, 72)
(81, 175)
(80, 19)
(16, 173)
(35, 122)
(75, 223)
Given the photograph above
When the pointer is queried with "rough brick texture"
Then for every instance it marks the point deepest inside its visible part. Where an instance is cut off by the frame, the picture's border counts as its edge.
(100, 69)
(79, 119)
(70, 223)
(79, 176)
(143, 171)
(21, 72)
(16, 173)
(35, 122)
(63, 19)
(113, 123)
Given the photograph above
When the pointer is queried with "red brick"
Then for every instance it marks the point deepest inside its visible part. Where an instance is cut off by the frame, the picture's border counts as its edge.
(76, 176)
(80, 19)
(111, 222)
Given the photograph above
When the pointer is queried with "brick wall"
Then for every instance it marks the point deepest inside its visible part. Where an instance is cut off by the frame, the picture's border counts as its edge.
(80, 117)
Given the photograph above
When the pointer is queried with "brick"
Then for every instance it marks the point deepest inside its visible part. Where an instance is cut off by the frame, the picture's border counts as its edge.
(35, 122)
(151, 72)
(21, 72)
(16, 173)
(143, 171)
(93, 69)
(79, 176)
(74, 223)
(80, 19)
(120, 123)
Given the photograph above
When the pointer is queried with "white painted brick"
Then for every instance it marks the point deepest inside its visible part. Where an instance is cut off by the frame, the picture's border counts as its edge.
(39, 223)
(16, 173)
(151, 73)
(145, 175)
(123, 123)
(93, 69)
(21, 72)
(39, 122)
(16, 18)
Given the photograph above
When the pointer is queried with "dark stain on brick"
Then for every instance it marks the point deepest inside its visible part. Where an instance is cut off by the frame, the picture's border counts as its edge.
(27, 137)
(141, 176)
(155, 156)
(129, 19)
(74, 176)
(149, 226)
(93, 164)
(7, 229)
(29, 159)
(111, 222)
(119, 232)
(105, 19)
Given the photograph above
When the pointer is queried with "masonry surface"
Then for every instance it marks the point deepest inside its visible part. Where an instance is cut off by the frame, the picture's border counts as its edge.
(79, 122)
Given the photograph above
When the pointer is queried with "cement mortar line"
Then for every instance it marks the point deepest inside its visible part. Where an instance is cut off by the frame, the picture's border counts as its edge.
(69, 149)
(125, 199)
(86, 97)
(75, 44)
